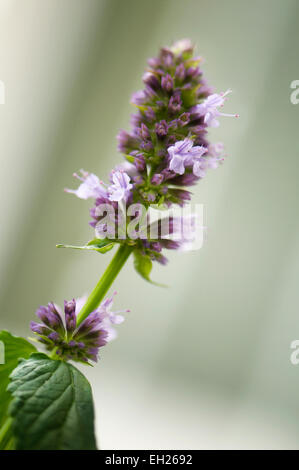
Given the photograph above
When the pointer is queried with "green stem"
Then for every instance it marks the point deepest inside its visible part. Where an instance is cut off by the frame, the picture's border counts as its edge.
(6, 434)
(105, 282)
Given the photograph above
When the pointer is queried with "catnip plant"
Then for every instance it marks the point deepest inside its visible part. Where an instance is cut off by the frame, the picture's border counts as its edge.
(45, 401)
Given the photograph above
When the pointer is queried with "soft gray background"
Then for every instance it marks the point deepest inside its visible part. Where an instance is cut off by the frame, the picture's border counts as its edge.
(204, 364)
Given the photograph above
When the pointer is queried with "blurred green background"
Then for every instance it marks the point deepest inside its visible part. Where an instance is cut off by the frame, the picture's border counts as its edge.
(206, 363)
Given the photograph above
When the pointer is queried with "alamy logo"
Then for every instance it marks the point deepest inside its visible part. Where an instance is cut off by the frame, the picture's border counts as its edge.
(294, 358)
(2, 353)
(2, 92)
(183, 225)
(294, 97)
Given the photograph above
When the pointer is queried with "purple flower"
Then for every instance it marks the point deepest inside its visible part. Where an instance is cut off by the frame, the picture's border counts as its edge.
(157, 179)
(121, 187)
(138, 97)
(180, 196)
(166, 57)
(80, 343)
(126, 142)
(110, 318)
(167, 146)
(187, 179)
(209, 108)
(51, 317)
(144, 132)
(210, 161)
(217, 149)
(183, 119)
(199, 168)
(150, 114)
(154, 62)
(167, 83)
(181, 46)
(70, 315)
(161, 128)
(183, 154)
(175, 103)
(139, 162)
(180, 72)
(135, 121)
(91, 186)
(151, 80)
(193, 71)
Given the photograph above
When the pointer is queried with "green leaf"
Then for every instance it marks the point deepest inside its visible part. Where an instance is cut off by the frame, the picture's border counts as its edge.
(52, 406)
(143, 265)
(189, 97)
(130, 158)
(14, 348)
(98, 244)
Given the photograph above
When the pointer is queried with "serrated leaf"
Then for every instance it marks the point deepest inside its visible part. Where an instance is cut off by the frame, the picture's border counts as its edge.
(52, 406)
(143, 265)
(14, 349)
(98, 244)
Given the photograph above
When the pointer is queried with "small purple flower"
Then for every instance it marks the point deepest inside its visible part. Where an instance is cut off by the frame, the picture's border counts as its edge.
(146, 146)
(150, 114)
(180, 72)
(216, 150)
(144, 132)
(211, 161)
(121, 187)
(181, 196)
(77, 343)
(181, 46)
(70, 315)
(135, 121)
(126, 142)
(138, 97)
(128, 167)
(138, 179)
(91, 186)
(110, 318)
(199, 168)
(151, 80)
(167, 83)
(161, 128)
(51, 317)
(193, 71)
(153, 62)
(183, 119)
(209, 108)
(167, 57)
(183, 154)
(187, 179)
(150, 196)
(175, 103)
(139, 161)
(157, 179)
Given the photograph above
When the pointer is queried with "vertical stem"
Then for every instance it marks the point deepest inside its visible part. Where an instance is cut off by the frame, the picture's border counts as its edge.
(105, 282)
(6, 434)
